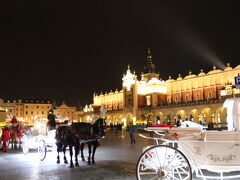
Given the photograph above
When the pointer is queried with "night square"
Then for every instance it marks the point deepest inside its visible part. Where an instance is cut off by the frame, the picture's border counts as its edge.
(120, 89)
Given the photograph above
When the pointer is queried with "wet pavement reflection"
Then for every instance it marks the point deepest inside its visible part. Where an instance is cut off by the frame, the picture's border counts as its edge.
(116, 159)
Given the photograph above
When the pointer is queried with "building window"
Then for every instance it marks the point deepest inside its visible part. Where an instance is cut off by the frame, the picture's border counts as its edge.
(31, 112)
(176, 98)
(10, 110)
(26, 112)
(213, 118)
(210, 94)
(26, 106)
(37, 106)
(168, 100)
(148, 100)
(186, 97)
(198, 96)
(42, 112)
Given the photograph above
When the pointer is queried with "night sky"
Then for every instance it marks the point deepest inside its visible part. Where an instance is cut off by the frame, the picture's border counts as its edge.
(67, 50)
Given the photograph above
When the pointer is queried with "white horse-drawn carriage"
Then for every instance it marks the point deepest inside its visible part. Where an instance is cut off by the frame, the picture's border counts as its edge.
(179, 151)
(41, 143)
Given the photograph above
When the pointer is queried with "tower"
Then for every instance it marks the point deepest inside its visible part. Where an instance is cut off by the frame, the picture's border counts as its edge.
(149, 69)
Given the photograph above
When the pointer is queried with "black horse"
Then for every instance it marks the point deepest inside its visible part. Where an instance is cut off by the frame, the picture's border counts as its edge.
(92, 146)
(64, 138)
(72, 136)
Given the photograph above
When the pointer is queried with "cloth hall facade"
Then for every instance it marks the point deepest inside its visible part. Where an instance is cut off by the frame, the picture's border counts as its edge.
(198, 97)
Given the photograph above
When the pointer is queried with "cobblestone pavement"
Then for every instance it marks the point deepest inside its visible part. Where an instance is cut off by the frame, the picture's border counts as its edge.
(115, 159)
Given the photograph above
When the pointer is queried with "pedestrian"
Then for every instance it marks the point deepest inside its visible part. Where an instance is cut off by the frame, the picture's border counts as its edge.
(178, 123)
(5, 137)
(111, 126)
(116, 130)
(131, 133)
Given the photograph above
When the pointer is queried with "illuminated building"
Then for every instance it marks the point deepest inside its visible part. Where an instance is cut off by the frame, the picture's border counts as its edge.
(65, 112)
(34, 112)
(196, 97)
(27, 110)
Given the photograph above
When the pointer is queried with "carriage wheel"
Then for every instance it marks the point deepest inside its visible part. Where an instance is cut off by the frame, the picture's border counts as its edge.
(25, 146)
(42, 150)
(163, 162)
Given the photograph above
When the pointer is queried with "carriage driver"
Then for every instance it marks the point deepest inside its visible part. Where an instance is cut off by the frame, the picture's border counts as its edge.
(51, 124)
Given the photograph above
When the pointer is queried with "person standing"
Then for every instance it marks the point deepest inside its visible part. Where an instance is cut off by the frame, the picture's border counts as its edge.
(5, 137)
(131, 133)
(116, 130)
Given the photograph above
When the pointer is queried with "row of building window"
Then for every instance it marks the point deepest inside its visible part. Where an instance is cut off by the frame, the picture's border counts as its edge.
(37, 107)
(10, 110)
(33, 113)
(198, 97)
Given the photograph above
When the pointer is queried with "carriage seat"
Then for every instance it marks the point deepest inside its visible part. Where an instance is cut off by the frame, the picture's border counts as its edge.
(65, 123)
(222, 136)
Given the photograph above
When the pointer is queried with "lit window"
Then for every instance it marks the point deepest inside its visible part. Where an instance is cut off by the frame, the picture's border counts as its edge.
(176, 98)
(210, 94)
(198, 96)
(148, 100)
(186, 97)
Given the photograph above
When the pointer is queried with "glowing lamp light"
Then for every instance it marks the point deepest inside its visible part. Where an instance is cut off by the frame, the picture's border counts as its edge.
(152, 86)
(152, 89)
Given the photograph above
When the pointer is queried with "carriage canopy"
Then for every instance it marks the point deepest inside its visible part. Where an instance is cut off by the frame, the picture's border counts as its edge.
(233, 113)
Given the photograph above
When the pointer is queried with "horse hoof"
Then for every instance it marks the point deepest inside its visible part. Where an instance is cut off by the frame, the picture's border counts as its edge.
(71, 166)
(89, 163)
(66, 162)
(93, 162)
(76, 164)
(58, 161)
(83, 159)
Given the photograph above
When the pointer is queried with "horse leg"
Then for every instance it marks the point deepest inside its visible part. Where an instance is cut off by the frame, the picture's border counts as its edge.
(89, 152)
(95, 145)
(12, 142)
(64, 155)
(71, 154)
(76, 148)
(59, 146)
(82, 147)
